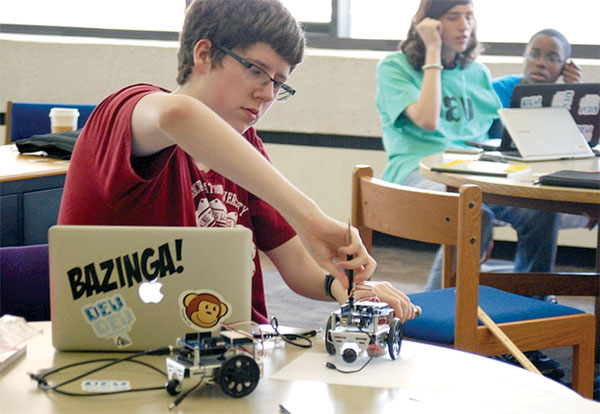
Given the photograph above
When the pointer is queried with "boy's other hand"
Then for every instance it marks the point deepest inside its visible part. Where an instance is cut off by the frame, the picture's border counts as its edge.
(382, 291)
(403, 307)
(571, 72)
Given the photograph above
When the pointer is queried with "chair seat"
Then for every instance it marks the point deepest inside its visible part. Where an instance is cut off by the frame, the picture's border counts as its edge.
(436, 324)
(24, 282)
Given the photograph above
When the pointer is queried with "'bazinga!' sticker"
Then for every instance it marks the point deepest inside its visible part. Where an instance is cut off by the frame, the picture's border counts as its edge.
(110, 318)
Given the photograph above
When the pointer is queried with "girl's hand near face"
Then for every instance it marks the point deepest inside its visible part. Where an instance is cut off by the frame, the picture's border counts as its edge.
(571, 72)
(430, 31)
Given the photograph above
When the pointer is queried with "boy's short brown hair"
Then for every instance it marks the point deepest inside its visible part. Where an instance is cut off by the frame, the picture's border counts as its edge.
(239, 24)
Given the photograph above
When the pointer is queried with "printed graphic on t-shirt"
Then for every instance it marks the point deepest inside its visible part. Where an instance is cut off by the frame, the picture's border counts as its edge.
(216, 207)
(204, 215)
(219, 212)
(456, 107)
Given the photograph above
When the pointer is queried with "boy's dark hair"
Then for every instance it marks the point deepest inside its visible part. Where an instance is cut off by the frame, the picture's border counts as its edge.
(414, 48)
(557, 35)
(238, 24)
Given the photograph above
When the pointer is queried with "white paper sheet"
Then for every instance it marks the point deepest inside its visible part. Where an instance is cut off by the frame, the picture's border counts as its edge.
(310, 366)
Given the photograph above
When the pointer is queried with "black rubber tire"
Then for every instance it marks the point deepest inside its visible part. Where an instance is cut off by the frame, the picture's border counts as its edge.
(238, 376)
(331, 323)
(394, 338)
(173, 387)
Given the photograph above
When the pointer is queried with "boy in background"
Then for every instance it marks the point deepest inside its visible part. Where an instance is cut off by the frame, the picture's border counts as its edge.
(546, 59)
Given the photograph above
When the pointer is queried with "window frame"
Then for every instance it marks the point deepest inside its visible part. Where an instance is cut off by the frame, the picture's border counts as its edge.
(319, 35)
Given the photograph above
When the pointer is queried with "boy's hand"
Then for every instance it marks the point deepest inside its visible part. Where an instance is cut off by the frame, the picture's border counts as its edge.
(430, 31)
(327, 242)
(385, 292)
(571, 72)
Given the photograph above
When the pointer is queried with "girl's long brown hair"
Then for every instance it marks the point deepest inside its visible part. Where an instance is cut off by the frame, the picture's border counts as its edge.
(414, 48)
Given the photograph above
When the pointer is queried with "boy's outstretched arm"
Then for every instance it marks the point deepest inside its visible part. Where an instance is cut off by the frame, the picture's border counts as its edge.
(161, 120)
(305, 277)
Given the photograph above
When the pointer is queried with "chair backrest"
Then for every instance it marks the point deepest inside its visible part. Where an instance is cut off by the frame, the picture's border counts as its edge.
(24, 282)
(452, 219)
(24, 119)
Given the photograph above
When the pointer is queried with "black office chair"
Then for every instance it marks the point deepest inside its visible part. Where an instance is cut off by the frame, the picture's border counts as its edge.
(24, 282)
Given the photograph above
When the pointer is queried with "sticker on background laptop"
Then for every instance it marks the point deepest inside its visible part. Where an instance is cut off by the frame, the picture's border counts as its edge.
(203, 310)
(589, 105)
(534, 101)
(110, 318)
(586, 130)
(563, 99)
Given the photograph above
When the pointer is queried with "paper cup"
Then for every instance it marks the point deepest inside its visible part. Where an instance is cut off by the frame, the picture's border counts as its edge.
(63, 119)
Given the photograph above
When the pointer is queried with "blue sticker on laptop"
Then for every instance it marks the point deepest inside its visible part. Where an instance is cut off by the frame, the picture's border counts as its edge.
(110, 318)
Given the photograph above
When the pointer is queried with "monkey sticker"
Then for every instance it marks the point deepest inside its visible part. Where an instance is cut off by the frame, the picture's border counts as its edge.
(203, 310)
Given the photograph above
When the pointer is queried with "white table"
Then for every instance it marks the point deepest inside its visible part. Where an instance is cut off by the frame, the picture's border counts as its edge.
(426, 379)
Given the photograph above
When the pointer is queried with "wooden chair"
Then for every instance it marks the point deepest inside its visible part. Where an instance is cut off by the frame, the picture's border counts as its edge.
(24, 119)
(450, 315)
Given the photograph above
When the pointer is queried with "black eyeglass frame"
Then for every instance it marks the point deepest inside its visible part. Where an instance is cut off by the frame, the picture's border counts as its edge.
(548, 58)
(278, 85)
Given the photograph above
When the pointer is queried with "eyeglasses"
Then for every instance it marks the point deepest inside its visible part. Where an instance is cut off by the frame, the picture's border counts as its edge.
(550, 58)
(259, 77)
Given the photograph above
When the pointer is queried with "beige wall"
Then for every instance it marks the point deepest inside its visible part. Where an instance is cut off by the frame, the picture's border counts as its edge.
(336, 92)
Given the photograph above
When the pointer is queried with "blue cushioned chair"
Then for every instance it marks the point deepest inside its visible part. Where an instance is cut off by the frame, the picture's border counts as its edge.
(24, 282)
(450, 315)
(24, 119)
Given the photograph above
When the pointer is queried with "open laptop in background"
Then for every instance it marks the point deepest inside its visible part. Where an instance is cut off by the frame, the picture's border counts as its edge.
(543, 134)
(122, 288)
(581, 99)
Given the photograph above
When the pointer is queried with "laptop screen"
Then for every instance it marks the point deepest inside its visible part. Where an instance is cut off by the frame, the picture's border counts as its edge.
(581, 99)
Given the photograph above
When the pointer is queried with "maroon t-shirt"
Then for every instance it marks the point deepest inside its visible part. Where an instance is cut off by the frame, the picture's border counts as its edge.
(106, 186)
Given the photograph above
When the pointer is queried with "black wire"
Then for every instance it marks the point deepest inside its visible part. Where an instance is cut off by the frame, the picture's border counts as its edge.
(290, 338)
(44, 385)
(332, 366)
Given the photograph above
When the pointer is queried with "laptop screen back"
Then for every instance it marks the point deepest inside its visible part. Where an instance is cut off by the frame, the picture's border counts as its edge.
(122, 288)
(581, 99)
(544, 134)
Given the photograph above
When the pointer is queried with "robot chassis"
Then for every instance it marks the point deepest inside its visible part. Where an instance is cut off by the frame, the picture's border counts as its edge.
(356, 325)
(216, 360)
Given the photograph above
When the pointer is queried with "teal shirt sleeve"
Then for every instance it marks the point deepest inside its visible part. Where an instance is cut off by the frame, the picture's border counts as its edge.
(397, 87)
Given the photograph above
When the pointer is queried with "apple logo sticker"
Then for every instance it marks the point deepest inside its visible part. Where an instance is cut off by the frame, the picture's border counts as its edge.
(150, 291)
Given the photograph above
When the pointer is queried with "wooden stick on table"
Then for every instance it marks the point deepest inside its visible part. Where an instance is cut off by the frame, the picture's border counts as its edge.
(510, 345)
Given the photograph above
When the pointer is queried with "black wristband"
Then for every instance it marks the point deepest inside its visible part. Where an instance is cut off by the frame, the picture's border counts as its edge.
(327, 286)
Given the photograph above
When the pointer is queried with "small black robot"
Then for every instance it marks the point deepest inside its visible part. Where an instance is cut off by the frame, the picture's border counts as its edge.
(229, 360)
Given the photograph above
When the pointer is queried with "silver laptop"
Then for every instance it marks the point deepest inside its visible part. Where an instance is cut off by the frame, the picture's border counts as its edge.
(543, 134)
(121, 288)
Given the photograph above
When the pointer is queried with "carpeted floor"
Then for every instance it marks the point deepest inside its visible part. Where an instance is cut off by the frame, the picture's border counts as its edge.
(406, 266)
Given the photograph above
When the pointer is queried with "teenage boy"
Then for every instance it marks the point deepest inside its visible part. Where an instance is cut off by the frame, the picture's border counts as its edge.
(546, 59)
(191, 157)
